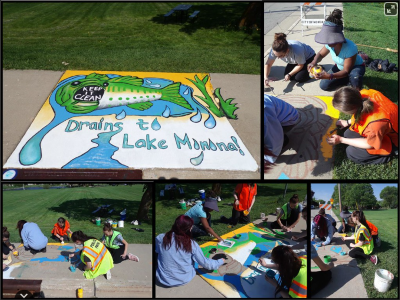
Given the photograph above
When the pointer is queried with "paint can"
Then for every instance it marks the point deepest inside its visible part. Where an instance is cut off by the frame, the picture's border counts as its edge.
(383, 280)
(327, 259)
(182, 204)
(114, 225)
(202, 194)
(120, 223)
(98, 221)
(262, 216)
(213, 250)
(15, 253)
(80, 292)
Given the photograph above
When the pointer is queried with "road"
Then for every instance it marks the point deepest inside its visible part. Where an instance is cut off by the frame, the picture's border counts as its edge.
(274, 13)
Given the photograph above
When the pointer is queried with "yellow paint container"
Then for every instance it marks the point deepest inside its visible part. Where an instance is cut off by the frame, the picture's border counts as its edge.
(80, 293)
(245, 212)
(15, 253)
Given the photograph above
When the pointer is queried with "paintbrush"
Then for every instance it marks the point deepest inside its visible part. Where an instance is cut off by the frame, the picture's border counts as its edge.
(272, 90)
(332, 131)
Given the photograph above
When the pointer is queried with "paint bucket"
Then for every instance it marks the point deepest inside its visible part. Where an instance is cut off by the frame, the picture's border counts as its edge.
(114, 225)
(110, 222)
(262, 216)
(123, 217)
(15, 253)
(120, 223)
(213, 250)
(98, 221)
(202, 194)
(183, 204)
(327, 259)
(80, 292)
(383, 280)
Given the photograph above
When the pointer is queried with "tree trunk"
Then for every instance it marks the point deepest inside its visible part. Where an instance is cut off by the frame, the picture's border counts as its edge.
(145, 203)
(216, 187)
(252, 16)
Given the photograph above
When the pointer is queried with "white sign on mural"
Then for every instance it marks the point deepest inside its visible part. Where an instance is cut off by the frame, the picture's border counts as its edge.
(116, 120)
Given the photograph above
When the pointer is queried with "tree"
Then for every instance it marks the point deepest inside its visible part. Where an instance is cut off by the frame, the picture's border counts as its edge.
(216, 187)
(145, 203)
(251, 18)
(389, 196)
(359, 196)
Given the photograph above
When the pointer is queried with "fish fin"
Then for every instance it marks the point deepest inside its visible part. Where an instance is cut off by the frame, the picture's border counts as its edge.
(133, 80)
(171, 93)
(141, 105)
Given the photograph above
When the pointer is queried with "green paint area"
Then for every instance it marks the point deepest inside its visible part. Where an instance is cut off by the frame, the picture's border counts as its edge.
(256, 251)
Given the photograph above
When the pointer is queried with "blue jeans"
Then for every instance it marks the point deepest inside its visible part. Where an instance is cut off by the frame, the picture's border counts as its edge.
(355, 79)
(198, 229)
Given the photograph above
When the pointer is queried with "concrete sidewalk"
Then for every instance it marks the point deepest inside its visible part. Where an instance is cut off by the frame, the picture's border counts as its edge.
(128, 279)
(25, 91)
(199, 288)
(345, 275)
(291, 26)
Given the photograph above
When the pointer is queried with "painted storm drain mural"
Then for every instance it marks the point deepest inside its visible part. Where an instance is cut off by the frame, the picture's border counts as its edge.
(109, 120)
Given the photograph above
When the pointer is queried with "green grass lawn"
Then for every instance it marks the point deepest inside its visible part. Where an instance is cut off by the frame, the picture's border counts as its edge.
(365, 23)
(128, 36)
(44, 207)
(387, 223)
(168, 210)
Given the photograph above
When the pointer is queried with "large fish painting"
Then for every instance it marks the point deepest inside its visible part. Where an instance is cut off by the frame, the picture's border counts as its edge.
(93, 116)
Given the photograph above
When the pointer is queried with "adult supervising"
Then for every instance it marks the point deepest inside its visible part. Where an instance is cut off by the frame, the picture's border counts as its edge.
(296, 54)
(349, 67)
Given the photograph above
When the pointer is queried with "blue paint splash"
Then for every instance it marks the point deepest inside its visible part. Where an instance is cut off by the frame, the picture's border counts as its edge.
(210, 122)
(155, 125)
(283, 176)
(65, 248)
(197, 117)
(195, 161)
(43, 259)
(99, 157)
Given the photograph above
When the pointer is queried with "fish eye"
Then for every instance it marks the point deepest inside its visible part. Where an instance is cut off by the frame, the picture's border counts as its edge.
(105, 84)
(75, 83)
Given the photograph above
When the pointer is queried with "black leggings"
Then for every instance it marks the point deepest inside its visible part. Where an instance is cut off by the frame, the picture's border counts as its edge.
(238, 216)
(318, 281)
(302, 75)
(358, 252)
(116, 254)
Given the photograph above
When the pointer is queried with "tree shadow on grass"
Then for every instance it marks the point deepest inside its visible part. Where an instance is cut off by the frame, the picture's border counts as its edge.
(81, 209)
(212, 16)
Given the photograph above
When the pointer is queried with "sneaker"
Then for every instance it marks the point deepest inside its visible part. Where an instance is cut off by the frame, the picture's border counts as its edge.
(133, 257)
(108, 275)
(378, 242)
(135, 222)
(218, 199)
(43, 250)
(374, 259)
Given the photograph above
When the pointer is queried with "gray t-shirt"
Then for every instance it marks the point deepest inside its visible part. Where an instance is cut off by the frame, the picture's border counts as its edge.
(298, 53)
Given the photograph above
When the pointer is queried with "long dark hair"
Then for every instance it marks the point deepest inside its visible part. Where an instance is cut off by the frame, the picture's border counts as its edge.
(79, 235)
(361, 217)
(280, 43)
(288, 265)
(348, 99)
(6, 234)
(61, 222)
(182, 234)
(20, 225)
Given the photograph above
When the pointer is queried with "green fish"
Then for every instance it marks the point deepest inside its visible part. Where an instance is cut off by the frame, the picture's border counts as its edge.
(98, 91)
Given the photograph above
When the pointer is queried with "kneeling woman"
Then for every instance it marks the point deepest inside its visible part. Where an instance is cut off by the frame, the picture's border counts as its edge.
(373, 136)
(364, 243)
(116, 244)
(292, 270)
(96, 258)
(177, 253)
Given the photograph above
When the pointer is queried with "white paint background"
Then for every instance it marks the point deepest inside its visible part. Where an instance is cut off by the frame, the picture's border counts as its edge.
(60, 147)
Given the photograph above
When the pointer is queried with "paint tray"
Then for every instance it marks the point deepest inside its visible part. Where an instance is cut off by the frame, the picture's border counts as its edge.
(226, 243)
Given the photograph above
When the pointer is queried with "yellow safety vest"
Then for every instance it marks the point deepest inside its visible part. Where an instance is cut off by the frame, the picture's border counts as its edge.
(110, 239)
(368, 245)
(99, 256)
(285, 211)
(298, 288)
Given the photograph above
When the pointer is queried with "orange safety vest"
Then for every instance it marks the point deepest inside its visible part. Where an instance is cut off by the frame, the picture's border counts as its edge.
(374, 229)
(60, 231)
(384, 110)
(245, 195)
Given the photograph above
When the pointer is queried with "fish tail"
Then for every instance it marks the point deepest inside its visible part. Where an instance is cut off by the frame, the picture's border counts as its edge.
(171, 93)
